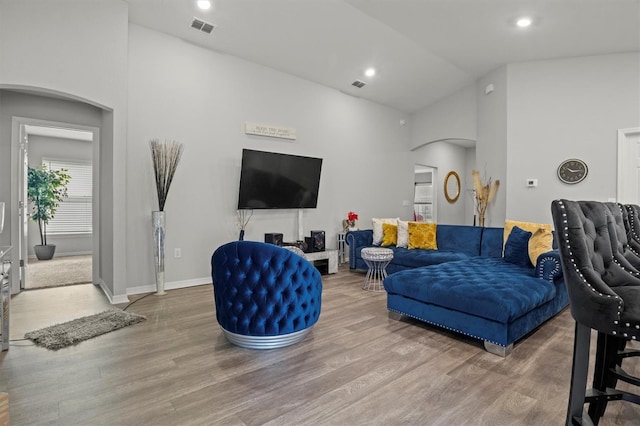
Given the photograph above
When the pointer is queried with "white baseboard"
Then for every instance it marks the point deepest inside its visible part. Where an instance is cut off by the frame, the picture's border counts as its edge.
(114, 300)
(169, 285)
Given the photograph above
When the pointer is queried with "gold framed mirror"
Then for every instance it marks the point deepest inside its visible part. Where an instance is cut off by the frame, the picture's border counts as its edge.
(452, 187)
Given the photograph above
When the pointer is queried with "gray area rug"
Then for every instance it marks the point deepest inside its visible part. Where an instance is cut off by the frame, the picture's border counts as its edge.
(72, 332)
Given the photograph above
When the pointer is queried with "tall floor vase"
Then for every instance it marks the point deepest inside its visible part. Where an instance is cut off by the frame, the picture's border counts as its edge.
(157, 219)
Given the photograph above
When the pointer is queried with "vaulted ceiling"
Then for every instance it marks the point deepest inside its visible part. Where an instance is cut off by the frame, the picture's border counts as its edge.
(421, 50)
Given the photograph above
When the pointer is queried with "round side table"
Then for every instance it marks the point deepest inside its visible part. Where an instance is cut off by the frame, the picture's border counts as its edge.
(377, 259)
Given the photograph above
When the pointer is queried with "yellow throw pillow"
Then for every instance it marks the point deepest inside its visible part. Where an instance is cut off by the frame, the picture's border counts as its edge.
(422, 236)
(389, 235)
(539, 243)
(377, 228)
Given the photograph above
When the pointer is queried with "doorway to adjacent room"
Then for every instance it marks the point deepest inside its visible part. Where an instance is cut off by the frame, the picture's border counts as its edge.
(57, 146)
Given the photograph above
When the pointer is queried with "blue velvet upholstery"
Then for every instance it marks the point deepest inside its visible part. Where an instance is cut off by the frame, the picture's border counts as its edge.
(461, 239)
(467, 286)
(491, 244)
(264, 290)
(455, 242)
(487, 298)
(501, 291)
(516, 249)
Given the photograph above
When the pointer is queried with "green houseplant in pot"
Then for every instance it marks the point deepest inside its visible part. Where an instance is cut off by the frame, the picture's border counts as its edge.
(45, 190)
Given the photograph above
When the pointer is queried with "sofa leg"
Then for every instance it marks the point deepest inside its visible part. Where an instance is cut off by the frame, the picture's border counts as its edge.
(395, 315)
(502, 351)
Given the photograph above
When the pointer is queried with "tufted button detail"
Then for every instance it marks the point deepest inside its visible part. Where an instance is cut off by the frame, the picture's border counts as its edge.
(264, 290)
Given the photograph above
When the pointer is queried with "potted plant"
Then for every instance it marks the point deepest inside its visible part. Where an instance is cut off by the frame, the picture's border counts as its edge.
(45, 190)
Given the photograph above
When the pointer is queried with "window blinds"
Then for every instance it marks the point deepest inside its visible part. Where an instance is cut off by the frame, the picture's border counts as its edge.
(74, 214)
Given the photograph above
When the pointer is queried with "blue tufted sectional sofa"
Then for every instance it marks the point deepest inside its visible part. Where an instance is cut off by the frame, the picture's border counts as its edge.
(467, 286)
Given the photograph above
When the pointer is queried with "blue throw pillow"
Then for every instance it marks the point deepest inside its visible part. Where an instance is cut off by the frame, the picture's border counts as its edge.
(516, 249)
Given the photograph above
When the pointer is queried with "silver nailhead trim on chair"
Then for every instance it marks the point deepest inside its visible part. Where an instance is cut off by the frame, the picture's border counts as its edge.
(575, 266)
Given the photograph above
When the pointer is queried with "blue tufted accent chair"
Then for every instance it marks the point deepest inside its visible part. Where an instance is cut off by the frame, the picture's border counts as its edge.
(604, 295)
(266, 297)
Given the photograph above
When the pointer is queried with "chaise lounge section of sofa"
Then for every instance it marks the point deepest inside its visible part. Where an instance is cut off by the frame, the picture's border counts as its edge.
(467, 286)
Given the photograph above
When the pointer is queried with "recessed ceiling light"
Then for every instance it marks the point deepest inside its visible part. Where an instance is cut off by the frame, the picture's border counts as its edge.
(524, 22)
(370, 72)
(204, 4)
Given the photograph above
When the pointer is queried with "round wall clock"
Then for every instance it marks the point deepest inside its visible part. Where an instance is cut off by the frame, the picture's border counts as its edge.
(572, 171)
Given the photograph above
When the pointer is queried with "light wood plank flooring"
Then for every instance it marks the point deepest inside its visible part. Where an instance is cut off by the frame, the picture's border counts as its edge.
(356, 367)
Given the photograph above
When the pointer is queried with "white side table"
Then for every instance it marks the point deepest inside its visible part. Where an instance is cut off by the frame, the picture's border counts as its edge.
(342, 249)
(377, 259)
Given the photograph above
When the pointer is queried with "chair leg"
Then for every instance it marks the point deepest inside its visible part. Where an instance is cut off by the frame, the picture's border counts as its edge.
(579, 371)
(605, 362)
(607, 372)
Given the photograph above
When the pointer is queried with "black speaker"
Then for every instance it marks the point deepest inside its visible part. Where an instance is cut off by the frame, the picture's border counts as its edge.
(273, 238)
(317, 239)
(308, 242)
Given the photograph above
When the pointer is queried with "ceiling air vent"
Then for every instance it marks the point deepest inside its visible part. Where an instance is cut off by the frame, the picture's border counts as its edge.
(201, 25)
(358, 83)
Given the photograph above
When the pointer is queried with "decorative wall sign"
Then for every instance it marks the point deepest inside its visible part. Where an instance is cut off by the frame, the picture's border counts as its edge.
(272, 131)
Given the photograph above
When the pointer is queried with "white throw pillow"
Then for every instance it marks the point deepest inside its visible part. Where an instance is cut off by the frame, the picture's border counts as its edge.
(403, 234)
(377, 228)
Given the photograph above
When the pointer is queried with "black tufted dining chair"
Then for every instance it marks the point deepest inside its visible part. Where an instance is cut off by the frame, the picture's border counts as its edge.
(604, 295)
(619, 241)
(633, 226)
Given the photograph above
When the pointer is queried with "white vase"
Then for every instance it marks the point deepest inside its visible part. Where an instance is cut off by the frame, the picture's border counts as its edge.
(157, 222)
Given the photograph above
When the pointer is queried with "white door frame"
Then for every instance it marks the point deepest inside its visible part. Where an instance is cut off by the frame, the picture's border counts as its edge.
(17, 123)
(627, 185)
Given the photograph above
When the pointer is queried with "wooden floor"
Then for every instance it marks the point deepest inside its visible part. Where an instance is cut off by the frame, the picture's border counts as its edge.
(356, 367)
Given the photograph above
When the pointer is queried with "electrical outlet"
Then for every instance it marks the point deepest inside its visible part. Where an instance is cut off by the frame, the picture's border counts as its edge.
(177, 253)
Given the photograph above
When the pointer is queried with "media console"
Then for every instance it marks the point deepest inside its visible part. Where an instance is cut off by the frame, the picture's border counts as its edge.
(324, 260)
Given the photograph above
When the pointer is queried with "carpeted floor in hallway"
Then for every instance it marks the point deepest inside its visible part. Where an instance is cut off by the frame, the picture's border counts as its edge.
(59, 271)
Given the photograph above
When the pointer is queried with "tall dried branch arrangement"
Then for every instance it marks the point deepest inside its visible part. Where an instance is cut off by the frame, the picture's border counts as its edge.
(166, 156)
(485, 193)
(243, 218)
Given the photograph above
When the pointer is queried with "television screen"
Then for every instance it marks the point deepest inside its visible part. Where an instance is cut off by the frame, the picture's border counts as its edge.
(269, 180)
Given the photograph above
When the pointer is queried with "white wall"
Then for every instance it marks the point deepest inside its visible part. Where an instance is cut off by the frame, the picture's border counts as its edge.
(84, 47)
(453, 117)
(467, 184)
(182, 92)
(492, 143)
(539, 114)
(446, 157)
(14, 104)
(567, 108)
(60, 149)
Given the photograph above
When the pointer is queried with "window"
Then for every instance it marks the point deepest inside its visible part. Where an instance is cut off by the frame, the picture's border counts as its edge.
(74, 214)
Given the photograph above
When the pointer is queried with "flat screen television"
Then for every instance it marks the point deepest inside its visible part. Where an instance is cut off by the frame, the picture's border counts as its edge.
(269, 180)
